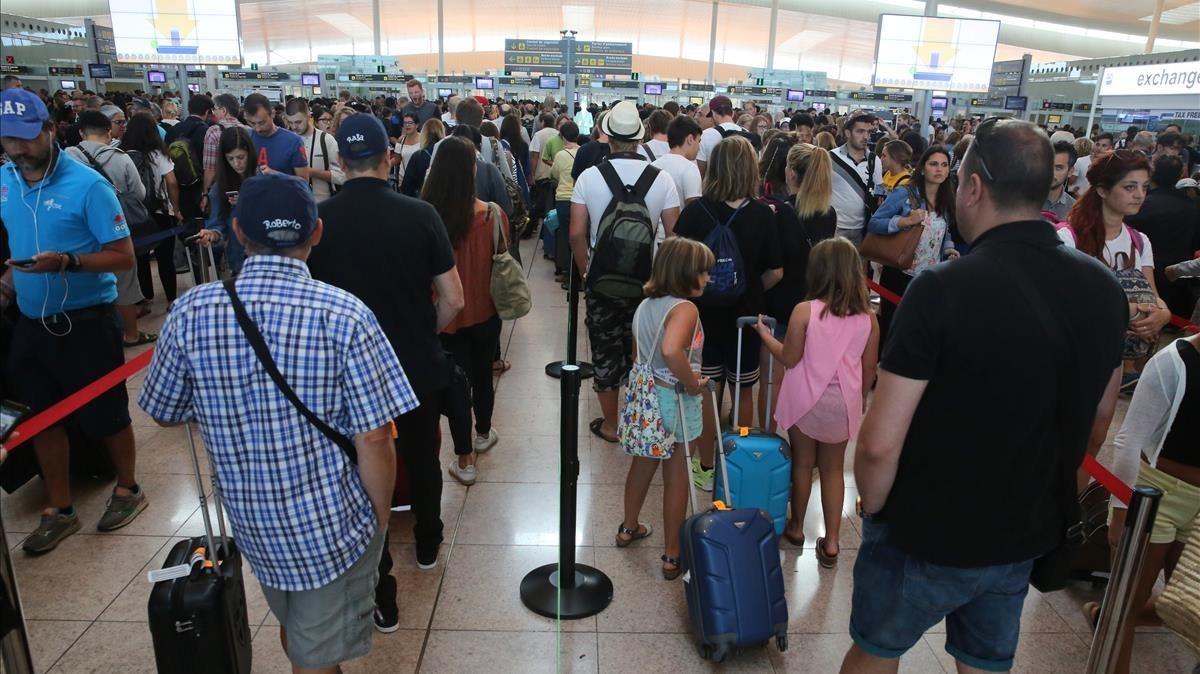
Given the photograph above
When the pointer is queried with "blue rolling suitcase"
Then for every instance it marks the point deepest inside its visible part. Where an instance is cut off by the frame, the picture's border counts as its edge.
(732, 578)
(758, 464)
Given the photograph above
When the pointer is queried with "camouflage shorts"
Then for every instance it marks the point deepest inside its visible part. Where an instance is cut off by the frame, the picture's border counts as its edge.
(610, 329)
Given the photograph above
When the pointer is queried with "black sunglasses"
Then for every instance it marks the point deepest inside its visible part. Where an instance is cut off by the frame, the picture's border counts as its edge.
(977, 146)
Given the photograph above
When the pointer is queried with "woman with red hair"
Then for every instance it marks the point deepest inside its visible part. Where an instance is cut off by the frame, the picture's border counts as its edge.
(1095, 225)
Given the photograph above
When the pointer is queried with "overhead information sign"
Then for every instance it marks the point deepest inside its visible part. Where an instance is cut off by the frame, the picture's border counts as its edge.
(877, 96)
(1007, 77)
(546, 56)
(696, 86)
(260, 75)
(176, 31)
(822, 93)
(755, 91)
(378, 77)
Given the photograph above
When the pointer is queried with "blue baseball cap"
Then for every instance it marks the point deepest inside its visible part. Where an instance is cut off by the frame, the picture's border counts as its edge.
(22, 114)
(360, 136)
(276, 210)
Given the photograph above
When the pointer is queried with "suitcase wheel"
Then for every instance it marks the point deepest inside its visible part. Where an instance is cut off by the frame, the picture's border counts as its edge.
(781, 642)
(714, 653)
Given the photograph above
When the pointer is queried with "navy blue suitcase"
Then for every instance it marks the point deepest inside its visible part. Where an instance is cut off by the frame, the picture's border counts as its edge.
(732, 578)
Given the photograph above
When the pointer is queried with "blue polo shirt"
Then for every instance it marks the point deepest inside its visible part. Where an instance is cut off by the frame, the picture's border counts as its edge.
(72, 210)
(285, 150)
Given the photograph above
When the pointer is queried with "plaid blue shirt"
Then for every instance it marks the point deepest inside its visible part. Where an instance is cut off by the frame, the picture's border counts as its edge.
(297, 505)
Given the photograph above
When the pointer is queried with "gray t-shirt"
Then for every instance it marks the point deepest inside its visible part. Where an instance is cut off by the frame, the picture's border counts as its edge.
(115, 164)
(649, 325)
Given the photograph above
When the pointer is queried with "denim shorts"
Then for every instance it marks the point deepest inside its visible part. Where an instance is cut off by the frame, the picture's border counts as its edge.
(668, 407)
(898, 597)
(333, 623)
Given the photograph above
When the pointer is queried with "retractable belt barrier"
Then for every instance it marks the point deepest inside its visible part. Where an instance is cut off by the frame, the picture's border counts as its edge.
(159, 236)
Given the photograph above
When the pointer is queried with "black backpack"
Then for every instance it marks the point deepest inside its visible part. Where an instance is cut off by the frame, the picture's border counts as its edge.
(725, 133)
(145, 168)
(624, 252)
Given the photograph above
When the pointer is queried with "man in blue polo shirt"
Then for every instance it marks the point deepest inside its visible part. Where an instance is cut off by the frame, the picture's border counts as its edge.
(278, 150)
(67, 235)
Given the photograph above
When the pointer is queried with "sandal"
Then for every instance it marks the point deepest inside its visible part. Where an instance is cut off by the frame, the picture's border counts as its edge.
(142, 338)
(1091, 613)
(500, 367)
(797, 541)
(597, 428)
(826, 560)
(671, 574)
(642, 531)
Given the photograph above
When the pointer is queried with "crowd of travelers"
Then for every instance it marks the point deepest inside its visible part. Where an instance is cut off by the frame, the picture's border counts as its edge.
(1040, 272)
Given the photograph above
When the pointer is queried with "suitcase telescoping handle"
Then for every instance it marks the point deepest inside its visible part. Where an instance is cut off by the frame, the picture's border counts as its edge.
(742, 324)
(211, 551)
(712, 390)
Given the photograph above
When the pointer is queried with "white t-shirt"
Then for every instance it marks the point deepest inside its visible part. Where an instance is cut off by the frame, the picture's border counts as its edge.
(323, 189)
(1081, 168)
(162, 165)
(684, 172)
(592, 191)
(660, 148)
(847, 198)
(539, 139)
(1120, 245)
(710, 138)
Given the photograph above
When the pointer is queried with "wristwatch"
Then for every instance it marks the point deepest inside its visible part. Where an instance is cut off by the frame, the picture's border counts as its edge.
(73, 262)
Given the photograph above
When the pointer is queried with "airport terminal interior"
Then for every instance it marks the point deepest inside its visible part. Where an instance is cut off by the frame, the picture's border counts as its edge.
(1090, 71)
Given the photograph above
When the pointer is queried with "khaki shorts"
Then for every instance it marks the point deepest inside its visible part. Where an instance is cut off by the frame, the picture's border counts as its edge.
(333, 623)
(1178, 509)
(129, 292)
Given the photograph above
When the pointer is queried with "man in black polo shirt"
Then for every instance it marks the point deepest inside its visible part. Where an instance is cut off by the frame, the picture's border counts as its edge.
(393, 253)
(990, 380)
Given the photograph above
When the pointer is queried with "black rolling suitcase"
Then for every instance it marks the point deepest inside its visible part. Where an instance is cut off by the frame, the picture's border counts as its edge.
(198, 621)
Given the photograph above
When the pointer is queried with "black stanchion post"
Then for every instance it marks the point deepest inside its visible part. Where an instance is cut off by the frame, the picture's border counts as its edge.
(567, 590)
(554, 369)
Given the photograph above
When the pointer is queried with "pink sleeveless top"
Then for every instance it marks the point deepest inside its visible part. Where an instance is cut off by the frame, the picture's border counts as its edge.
(833, 348)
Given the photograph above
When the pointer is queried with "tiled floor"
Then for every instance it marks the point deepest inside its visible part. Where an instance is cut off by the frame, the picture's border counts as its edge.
(86, 601)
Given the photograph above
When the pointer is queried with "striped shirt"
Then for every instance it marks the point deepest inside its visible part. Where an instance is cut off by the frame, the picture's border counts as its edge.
(212, 142)
(298, 508)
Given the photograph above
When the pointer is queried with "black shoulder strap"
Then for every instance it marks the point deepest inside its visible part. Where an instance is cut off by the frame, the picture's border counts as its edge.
(609, 173)
(850, 172)
(645, 181)
(649, 152)
(96, 165)
(264, 356)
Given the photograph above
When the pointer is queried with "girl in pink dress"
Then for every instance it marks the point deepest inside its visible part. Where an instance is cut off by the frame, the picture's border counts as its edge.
(830, 351)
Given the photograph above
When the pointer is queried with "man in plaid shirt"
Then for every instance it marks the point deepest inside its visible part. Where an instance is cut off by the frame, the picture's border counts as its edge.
(310, 523)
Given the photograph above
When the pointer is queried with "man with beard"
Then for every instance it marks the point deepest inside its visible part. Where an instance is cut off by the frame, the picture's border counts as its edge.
(1059, 202)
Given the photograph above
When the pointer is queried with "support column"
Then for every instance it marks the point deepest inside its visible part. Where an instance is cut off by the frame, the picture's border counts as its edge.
(378, 33)
(926, 112)
(441, 38)
(1153, 34)
(712, 44)
(771, 38)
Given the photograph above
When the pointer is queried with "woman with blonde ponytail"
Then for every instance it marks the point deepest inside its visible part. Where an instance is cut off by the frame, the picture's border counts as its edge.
(803, 216)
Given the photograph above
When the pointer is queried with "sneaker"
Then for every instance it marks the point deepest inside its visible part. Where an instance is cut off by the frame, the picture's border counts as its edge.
(53, 529)
(386, 623)
(122, 510)
(1129, 381)
(427, 559)
(703, 479)
(464, 475)
(482, 443)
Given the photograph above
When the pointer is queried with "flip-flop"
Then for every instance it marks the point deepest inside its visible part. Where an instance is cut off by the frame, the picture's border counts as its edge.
(142, 338)
(797, 541)
(826, 560)
(501, 366)
(671, 574)
(596, 426)
(1091, 613)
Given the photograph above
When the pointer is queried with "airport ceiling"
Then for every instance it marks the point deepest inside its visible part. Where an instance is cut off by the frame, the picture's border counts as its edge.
(811, 34)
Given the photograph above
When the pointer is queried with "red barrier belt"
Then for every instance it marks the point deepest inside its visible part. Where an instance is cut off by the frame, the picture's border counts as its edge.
(884, 292)
(67, 406)
(1111, 482)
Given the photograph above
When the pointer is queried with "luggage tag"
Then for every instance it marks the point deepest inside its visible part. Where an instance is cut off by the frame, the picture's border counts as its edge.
(169, 573)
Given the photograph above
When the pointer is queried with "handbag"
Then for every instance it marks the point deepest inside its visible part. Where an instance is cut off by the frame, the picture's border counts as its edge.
(894, 250)
(509, 289)
(259, 344)
(1179, 604)
(641, 430)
